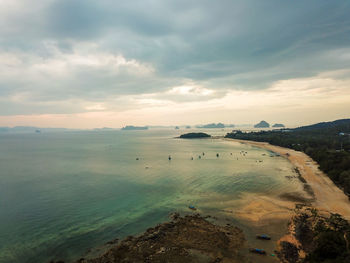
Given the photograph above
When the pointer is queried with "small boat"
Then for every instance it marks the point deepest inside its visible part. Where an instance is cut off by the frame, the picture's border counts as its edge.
(217, 155)
(192, 207)
(257, 251)
(263, 236)
(169, 157)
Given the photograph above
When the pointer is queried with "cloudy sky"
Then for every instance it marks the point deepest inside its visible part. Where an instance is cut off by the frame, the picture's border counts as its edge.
(88, 63)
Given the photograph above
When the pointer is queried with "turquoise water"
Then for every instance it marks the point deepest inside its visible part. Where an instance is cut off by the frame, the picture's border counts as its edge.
(63, 193)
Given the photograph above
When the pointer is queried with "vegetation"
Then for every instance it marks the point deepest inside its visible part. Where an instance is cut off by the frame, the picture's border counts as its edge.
(195, 135)
(324, 238)
(328, 143)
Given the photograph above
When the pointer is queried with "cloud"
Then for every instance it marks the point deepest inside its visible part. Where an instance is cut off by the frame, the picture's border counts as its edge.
(75, 57)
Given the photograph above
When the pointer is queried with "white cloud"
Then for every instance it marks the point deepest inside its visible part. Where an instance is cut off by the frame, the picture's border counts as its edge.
(95, 107)
(190, 89)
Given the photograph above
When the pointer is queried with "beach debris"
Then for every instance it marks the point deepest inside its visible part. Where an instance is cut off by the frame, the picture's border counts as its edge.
(137, 159)
(217, 155)
(199, 157)
(192, 207)
(258, 251)
(263, 236)
(191, 158)
(203, 153)
(169, 157)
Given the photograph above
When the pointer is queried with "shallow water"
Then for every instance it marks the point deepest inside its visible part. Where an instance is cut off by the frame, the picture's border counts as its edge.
(63, 193)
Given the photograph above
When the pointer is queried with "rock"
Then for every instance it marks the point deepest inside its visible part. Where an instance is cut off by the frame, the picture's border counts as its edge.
(262, 124)
(278, 125)
(173, 241)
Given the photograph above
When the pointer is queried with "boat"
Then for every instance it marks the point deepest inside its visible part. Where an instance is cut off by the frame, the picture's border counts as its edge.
(263, 236)
(217, 155)
(169, 157)
(192, 207)
(257, 251)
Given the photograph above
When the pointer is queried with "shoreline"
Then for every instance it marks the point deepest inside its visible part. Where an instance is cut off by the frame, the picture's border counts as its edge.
(261, 211)
(327, 196)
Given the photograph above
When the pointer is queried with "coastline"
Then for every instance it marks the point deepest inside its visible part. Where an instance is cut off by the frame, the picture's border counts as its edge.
(327, 196)
(265, 213)
(327, 199)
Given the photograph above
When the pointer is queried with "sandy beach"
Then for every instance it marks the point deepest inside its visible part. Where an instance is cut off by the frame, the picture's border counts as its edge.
(327, 196)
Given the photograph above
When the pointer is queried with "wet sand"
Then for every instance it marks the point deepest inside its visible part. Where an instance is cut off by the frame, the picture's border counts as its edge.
(269, 212)
(327, 196)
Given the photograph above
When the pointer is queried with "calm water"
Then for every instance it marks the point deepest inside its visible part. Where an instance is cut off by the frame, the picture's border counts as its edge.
(63, 193)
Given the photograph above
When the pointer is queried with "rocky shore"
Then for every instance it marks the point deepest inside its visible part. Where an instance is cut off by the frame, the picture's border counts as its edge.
(191, 238)
(315, 236)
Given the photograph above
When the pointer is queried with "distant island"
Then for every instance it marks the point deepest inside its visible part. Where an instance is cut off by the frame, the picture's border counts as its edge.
(278, 125)
(211, 125)
(134, 128)
(262, 124)
(195, 135)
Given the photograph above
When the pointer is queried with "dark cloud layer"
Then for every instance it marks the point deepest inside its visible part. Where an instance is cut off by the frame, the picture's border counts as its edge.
(221, 45)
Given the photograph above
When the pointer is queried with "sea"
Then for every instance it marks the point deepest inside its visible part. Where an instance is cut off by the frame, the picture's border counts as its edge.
(64, 195)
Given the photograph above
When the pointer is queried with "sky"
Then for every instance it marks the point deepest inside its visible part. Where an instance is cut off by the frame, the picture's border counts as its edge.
(108, 63)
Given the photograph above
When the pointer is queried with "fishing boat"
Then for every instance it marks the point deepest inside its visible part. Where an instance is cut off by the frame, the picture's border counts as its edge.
(192, 207)
(263, 236)
(257, 251)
